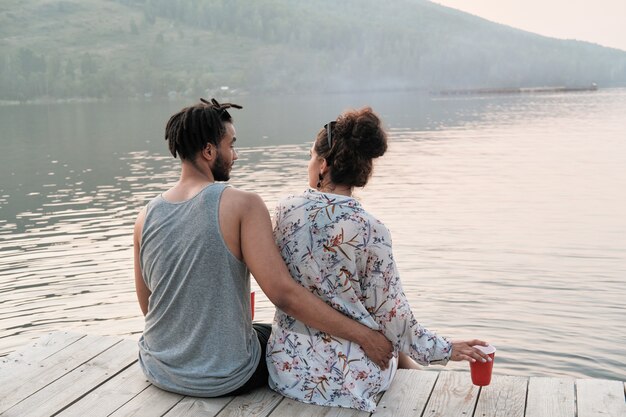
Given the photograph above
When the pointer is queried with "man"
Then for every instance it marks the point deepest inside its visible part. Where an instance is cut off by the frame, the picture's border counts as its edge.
(193, 248)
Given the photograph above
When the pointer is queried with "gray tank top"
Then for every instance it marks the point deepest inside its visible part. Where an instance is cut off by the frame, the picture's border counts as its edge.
(198, 338)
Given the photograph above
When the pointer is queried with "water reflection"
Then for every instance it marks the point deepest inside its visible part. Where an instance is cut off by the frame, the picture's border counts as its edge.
(506, 214)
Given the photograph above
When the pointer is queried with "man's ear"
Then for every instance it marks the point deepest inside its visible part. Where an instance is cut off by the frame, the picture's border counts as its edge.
(209, 151)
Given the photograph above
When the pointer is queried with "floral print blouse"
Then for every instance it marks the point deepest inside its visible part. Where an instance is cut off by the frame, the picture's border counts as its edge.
(342, 254)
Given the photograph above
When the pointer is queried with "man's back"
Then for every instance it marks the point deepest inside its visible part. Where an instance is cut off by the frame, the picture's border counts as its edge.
(198, 338)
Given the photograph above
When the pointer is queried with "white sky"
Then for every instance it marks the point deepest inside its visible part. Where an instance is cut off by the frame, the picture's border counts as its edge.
(598, 21)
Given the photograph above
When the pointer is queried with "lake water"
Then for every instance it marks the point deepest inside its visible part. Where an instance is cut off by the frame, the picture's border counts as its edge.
(508, 214)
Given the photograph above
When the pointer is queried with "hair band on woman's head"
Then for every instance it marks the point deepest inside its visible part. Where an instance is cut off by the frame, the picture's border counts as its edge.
(328, 127)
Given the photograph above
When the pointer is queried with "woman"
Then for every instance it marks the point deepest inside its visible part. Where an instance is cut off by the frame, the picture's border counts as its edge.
(343, 254)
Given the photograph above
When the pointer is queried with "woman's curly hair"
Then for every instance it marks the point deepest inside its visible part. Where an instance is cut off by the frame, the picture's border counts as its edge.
(356, 138)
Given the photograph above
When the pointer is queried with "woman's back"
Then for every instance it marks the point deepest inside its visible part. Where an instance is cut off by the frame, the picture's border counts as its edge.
(325, 240)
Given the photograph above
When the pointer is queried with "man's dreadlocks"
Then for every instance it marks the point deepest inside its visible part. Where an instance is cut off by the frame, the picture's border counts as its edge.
(192, 128)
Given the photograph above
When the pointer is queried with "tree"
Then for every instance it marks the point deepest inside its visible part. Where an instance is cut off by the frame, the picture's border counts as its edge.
(149, 17)
(30, 62)
(70, 70)
(87, 64)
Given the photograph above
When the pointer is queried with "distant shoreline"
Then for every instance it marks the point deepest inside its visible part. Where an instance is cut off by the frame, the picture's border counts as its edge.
(520, 90)
(448, 92)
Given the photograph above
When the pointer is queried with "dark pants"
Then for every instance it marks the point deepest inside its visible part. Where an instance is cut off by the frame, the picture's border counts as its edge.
(260, 376)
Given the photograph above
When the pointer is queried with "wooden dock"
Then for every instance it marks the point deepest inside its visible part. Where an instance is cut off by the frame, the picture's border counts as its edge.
(69, 374)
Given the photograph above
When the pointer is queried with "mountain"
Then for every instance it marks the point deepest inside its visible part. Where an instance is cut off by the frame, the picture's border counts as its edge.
(129, 48)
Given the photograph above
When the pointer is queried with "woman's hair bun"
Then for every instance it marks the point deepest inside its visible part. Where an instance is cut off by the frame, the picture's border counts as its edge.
(357, 137)
(362, 130)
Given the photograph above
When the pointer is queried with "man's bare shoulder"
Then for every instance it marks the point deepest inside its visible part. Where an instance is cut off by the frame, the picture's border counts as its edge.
(243, 201)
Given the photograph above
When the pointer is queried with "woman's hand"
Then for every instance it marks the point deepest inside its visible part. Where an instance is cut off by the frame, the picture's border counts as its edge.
(463, 350)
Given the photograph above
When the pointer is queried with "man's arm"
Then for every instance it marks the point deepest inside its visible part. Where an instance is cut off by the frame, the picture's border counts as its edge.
(264, 261)
(143, 293)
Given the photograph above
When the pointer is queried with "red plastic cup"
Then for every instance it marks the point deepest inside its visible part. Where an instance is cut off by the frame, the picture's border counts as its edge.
(481, 371)
(252, 304)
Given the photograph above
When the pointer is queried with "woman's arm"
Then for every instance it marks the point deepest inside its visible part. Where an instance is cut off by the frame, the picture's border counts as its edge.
(385, 300)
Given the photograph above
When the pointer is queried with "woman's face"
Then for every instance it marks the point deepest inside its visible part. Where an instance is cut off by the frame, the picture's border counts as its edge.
(315, 166)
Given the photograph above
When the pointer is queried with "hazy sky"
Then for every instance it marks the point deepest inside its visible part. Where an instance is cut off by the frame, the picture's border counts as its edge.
(597, 21)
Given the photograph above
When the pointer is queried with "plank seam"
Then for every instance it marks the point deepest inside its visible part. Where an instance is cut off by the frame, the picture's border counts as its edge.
(526, 396)
(378, 400)
(430, 394)
(575, 398)
(226, 405)
(270, 411)
(65, 347)
(173, 405)
(93, 389)
(130, 399)
(61, 376)
(480, 391)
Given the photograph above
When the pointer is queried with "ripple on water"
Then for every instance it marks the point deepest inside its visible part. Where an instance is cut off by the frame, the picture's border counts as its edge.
(507, 225)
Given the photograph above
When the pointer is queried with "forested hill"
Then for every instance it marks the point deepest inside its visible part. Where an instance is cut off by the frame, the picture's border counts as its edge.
(127, 48)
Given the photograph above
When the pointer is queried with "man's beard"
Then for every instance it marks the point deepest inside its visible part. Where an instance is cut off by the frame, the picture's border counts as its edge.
(220, 171)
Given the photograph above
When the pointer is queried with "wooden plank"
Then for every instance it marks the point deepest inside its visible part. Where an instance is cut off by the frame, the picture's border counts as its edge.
(598, 397)
(408, 394)
(552, 397)
(36, 351)
(111, 395)
(34, 376)
(258, 403)
(290, 408)
(44, 346)
(345, 412)
(504, 397)
(151, 402)
(453, 395)
(199, 407)
(75, 384)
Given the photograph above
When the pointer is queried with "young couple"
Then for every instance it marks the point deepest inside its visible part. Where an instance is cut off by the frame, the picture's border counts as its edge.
(342, 325)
